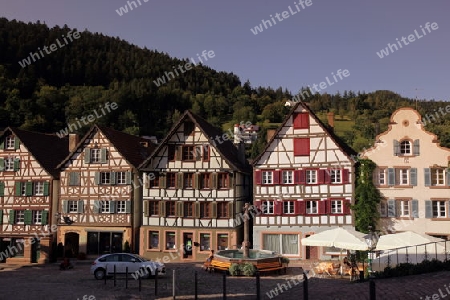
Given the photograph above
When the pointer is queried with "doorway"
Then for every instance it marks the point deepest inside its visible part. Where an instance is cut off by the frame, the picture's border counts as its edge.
(71, 243)
(311, 251)
(187, 242)
(35, 250)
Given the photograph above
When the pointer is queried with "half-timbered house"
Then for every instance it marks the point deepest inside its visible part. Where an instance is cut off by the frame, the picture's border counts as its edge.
(100, 192)
(193, 201)
(303, 184)
(29, 186)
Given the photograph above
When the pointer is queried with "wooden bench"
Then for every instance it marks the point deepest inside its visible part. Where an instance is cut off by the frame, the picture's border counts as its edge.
(270, 266)
(220, 265)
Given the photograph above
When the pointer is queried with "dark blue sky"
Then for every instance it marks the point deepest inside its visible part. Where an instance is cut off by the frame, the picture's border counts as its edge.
(300, 50)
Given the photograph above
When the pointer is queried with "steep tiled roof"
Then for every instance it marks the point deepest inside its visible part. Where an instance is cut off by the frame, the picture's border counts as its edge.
(48, 149)
(341, 144)
(226, 149)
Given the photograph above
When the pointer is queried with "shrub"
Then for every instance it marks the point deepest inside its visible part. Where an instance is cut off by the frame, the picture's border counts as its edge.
(234, 269)
(248, 269)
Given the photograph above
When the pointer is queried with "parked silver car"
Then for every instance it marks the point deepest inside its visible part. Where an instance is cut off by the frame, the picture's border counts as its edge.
(137, 265)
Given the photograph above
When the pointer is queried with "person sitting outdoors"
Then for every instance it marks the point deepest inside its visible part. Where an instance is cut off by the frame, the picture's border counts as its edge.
(65, 265)
(211, 256)
(207, 264)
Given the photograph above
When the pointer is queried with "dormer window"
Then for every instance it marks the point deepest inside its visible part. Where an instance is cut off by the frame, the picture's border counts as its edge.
(405, 148)
(10, 142)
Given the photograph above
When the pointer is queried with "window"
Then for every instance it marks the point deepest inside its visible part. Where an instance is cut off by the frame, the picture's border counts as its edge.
(222, 181)
(188, 153)
(188, 180)
(153, 208)
(121, 206)
(301, 121)
(205, 156)
(74, 178)
(437, 176)
(311, 176)
(170, 240)
(287, 177)
(170, 208)
(188, 209)
(402, 176)
(405, 148)
(204, 180)
(205, 211)
(222, 209)
(383, 208)
(18, 245)
(9, 164)
(439, 209)
(10, 143)
(153, 240)
(336, 176)
(171, 180)
(105, 178)
(73, 206)
(311, 207)
(39, 188)
(288, 207)
(19, 216)
(36, 217)
(171, 152)
(268, 207)
(267, 177)
(23, 189)
(205, 241)
(336, 206)
(403, 208)
(105, 206)
(301, 147)
(121, 178)
(222, 241)
(188, 128)
(153, 181)
(95, 155)
(281, 243)
(381, 177)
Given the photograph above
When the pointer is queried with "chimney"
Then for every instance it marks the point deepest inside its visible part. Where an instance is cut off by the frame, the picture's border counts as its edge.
(74, 139)
(270, 134)
(330, 117)
(237, 134)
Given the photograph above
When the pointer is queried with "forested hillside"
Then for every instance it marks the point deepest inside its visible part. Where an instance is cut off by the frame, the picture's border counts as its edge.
(75, 80)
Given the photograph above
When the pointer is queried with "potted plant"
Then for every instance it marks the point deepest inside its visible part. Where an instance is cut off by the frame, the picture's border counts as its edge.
(234, 269)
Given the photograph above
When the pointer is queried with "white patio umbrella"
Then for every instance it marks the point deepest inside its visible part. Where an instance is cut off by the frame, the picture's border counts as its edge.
(404, 239)
(338, 237)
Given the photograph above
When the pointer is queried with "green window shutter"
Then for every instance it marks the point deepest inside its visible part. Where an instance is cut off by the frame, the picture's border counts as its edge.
(29, 189)
(65, 207)
(128, 177)
(1, 217)
(44, 217)
(87, 155)
(112, 207)
(396, 148)
(2, 144)
(428, 209)
(97, 206)
(11, 217)
(197, 209)
(97, 178)
(214, 182)
(16, 143)
(80, 207)
(27, 216)
(103, 155)
(46, 188)
(16, 164)
(231, 209)
(145, 208)
(179, 209)
(197, 178)
(179, 153)
(213, 209)
(162, 208)
(18, 188)
(427, 174)
(74, 178)
(2, 164)
(391, 176)
(180, 180)
(127, 207)
(448, 176)
(413, 176)
(415, 208)
(231, 179)
(112, 177)
(392, 213)
(2, 189)
(416, 148)
(162, 180)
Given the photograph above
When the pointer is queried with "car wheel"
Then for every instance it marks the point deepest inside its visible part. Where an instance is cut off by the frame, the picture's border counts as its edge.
(100, 274)
(148, 273)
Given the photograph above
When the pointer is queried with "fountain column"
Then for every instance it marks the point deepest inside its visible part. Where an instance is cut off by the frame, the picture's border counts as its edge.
(246, 243)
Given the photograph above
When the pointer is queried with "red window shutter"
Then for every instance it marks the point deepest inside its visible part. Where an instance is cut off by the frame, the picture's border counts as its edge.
(346, 207)
(300, 207)
(345, 176)
(276, 176)
(322, 208)
(327, 177)
(321, 176)
(258, 206)
(278, 207)
(258, 177)
(301, 146)
(302, 177)
(304, 120)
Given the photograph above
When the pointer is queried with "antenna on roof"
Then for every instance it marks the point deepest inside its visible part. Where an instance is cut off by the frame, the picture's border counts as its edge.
(417, 89)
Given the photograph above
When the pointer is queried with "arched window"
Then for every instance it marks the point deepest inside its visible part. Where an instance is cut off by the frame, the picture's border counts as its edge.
(405, 148)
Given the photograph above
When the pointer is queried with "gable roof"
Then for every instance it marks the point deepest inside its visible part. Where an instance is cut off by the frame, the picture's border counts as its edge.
(47, 149)
(348, 151)
(129, 146)
(226, 149)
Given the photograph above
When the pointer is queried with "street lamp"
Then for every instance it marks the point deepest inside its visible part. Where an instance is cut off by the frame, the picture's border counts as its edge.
(371, 240)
